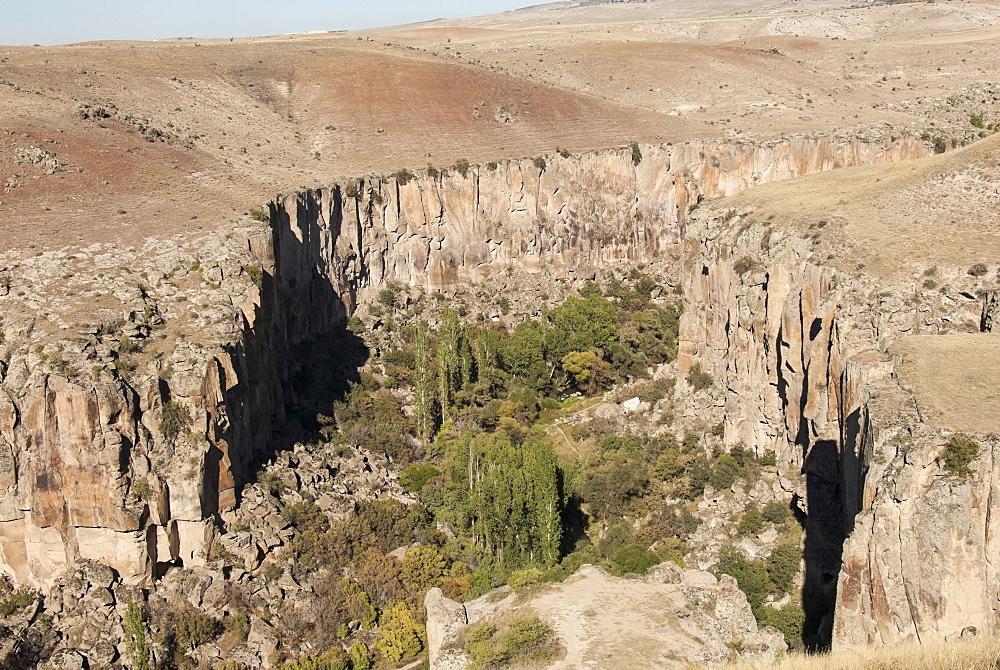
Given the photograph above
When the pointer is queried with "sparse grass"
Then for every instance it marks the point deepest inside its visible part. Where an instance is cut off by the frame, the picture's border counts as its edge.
(968, 655)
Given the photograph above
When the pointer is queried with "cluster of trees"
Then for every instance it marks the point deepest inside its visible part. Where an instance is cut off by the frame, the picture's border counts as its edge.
(465, 371)
(496, 503)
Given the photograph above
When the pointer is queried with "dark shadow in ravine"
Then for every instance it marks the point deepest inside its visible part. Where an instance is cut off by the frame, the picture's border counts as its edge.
(824, 542)
(296, 358)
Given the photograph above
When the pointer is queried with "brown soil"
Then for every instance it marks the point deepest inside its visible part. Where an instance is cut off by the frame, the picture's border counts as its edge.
(247, 119)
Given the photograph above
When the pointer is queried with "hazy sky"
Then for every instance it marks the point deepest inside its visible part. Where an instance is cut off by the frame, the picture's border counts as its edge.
(63, 21)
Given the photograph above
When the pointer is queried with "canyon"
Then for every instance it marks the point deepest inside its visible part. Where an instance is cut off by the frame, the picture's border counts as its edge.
(169, 353)
(801, 352)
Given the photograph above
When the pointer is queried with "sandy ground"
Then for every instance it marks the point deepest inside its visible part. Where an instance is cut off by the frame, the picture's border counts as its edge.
(899, 219)
(953, 378)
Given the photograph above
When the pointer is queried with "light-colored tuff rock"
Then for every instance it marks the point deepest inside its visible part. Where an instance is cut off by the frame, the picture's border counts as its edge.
(802, 363)
(920, 560)
(77, 431)
(670, 619)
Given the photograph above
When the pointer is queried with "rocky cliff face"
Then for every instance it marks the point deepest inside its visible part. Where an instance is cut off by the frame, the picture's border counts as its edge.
(802, 364)
(90, 471)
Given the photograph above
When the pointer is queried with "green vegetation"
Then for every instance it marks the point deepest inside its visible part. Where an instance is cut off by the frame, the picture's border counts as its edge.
(539, 162)
(461, 166)
(181, 628)
(761, 578)
(636, 153)
(959, 452)
(519, 640)
(13, 601)
(256, 274)
(174, 419)
(507, 494)
(260, 215)
(334, 658)
(403, 176)
(977, 121)
(699, 379)
(135, 638)
(400, 633)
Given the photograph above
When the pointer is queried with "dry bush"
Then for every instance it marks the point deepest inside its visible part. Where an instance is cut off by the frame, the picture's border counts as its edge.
(981, 654)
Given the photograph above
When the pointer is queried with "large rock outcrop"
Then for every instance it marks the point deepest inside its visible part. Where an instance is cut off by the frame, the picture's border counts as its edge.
(801, 358)
(671, 619)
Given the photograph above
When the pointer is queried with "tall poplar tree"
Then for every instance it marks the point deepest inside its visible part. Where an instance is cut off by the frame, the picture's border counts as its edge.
(424, 386)
(515, 503)
(449, 336)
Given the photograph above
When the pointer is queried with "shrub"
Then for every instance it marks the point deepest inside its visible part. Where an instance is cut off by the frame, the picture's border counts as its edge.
(563, 152)
(15, 601)
(634, 559)
(174, 419)
(387, 297)
(959, 452)
(940, 145)
(776, 512)
(725, 471)
(744, 265)
(462, 166)
(751, 576)
(699, 379)
(127, 345)
(539, 162)
(522, 639)
(751, 523)
(400, 634)
(362, 657)
(636, 153)
(784, 564)
(260, 215)
(977, 121)
(403, 176)
(789, 620)
(141, 489)
(332, 659)
(416, 475)
(256, 274)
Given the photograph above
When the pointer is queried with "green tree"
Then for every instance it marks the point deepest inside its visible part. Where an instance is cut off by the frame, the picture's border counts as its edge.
(449, 372)
(423, 388)
(174, 419)
(523, 353)
(959, 452)
(400, 636)
(515, 502)
(424, 567)
(135, 638)
(582, 324)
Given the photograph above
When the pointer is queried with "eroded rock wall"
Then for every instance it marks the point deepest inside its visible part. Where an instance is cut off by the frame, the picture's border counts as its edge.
(76, 440)
(800, 357)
